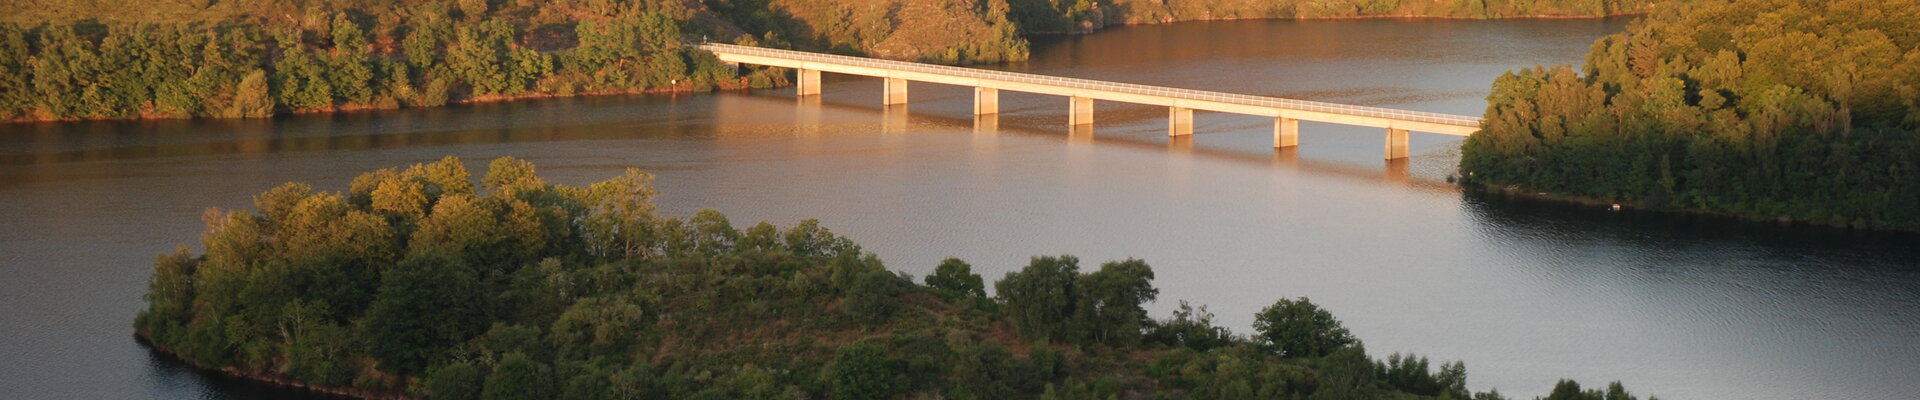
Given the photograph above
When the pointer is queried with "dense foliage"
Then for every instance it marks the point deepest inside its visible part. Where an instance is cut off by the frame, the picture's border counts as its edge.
(324, 57)
(1764, 108)
(419, 283)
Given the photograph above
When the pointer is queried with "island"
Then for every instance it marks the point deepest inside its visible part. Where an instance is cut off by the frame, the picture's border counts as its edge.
(419, 283)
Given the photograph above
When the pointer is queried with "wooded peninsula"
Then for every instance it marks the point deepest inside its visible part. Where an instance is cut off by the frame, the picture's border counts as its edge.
(417, 283)
(1771, 109)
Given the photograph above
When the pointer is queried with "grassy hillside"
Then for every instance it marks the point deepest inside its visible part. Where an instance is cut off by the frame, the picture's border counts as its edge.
(418, 283)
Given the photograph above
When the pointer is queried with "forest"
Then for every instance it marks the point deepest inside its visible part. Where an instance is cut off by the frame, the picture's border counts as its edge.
(99, 59)
(419, 283)
(1770, 109)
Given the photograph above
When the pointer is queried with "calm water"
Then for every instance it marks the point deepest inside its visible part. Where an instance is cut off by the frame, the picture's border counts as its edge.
(1524, 293)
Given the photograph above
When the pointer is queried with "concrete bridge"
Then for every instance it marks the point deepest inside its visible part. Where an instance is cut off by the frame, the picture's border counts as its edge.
(1180, 103)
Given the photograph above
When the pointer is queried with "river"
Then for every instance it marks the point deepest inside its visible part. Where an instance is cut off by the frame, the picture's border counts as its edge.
(1524, 292)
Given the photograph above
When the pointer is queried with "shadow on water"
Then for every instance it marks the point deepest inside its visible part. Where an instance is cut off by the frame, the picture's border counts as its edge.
(1524, 217)
(172, 375)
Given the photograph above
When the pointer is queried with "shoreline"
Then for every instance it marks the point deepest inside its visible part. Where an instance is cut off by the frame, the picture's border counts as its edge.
(1354, 17)
(277, 382)
(1516, 191)
(348, 108)
(353, 108)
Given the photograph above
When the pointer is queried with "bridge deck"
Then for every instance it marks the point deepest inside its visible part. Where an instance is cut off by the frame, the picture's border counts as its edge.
(1449, 124)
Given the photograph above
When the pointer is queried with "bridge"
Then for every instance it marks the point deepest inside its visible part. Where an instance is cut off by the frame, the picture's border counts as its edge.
(1180, 103)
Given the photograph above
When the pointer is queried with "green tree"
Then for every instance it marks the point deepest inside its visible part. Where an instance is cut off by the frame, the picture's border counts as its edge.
(351, 72)
(519, 377)
(956, 276)
(456, 381)
(1108, 302)
(860, 371)
(1039, 299)
(300, 81)
(1298, 328)
(253, 99)
(426, 303)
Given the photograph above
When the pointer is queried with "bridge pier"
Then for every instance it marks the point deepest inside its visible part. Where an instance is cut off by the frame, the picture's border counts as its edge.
(807, 83)
(1079, 111)
(1286, 132)
(986, 101)
(1179, 121)
(896, 92)
(1396, 144)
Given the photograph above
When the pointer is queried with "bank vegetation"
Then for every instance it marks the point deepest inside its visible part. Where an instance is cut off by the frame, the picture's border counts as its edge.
(1772, 109)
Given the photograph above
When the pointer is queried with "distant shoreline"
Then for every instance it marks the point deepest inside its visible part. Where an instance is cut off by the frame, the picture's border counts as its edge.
(497, 98)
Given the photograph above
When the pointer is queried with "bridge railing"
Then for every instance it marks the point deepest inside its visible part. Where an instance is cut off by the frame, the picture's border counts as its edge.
(1077, 83)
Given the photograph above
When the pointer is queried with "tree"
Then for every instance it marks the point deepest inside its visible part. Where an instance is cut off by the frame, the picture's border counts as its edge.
(519, 377)
(351, 73)
(860, 371)
(956, 276)
(1108, 302)
(1347, 375)
(1190, 328)
(1298, 328)
(426, 303)
(1040, 298)
(252, 98)
(456, 381)
(300, 81)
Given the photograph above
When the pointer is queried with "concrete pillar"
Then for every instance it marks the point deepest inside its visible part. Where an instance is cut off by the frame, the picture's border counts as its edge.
(986, 101)
(1396, 144)
(893, 119)
(1080, 111)
(986, 123)
(896, 91)
(808, 82)
(1179, 121)
(1286, 132)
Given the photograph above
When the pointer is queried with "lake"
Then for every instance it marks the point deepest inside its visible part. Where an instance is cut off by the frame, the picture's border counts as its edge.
(1524, 292)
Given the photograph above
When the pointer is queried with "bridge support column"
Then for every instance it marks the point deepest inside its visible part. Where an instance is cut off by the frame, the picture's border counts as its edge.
(986, 101)
(896, 92)
(1396, 144)
(1080, 111)
(1179, 121)
(1286, 132)
(808, 82)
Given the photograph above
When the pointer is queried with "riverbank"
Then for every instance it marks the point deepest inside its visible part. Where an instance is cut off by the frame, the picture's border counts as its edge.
(276, 382)
(1598, 204)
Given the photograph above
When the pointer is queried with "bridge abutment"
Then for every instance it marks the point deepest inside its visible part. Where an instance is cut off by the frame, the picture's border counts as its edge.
(1286, 132)
(1179, 121)
(1396, 144)
(986, 101)
(896, 91)
(1079, 111)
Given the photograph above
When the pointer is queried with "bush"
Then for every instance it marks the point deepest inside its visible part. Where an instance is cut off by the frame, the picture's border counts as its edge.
(1297, 328)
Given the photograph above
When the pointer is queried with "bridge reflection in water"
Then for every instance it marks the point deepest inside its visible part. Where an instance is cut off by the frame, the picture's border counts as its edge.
(1180, 103)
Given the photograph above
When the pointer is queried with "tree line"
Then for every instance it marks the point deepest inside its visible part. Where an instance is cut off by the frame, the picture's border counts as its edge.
(1799, 109)
(413, 55)
(71, 59)
(417, 282)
